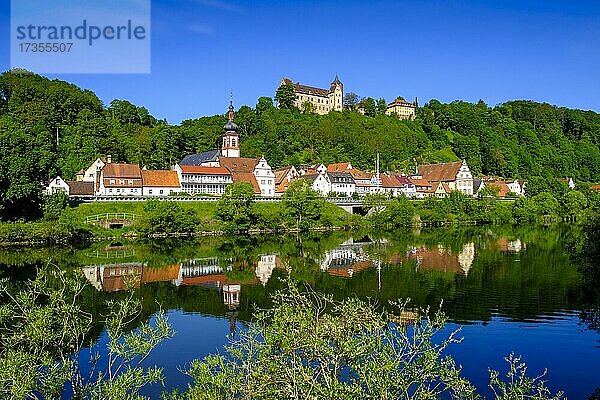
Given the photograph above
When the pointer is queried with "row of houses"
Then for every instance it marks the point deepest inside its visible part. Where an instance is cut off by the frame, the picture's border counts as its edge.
(210, 172)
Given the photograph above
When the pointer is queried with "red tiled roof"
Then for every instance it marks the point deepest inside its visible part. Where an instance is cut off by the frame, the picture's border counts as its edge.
(246, 177)
(420, 182)
(440, 172)
(81, 188)
(389, 181)
(361, 175)
(160, 178)
(200, 170)
(129, 171)
(338, 167)
(503, 188)
(199, 280)
(303, 89)
(401, 102)
(239, 164)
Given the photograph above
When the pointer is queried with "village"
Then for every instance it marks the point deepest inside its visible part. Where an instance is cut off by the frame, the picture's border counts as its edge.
(209, 173)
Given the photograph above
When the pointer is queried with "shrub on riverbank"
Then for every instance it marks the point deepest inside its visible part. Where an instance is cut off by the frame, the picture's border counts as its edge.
(65, 231)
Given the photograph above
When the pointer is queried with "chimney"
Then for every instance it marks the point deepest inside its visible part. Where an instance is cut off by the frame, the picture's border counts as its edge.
(109, 159)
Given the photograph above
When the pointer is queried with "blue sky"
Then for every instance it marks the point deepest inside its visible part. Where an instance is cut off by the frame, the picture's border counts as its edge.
(469, 50)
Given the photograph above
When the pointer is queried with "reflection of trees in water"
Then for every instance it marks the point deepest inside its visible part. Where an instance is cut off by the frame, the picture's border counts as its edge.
(588, 257)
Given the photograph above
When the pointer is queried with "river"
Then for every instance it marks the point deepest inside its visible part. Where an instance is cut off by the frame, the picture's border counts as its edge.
(508, 289)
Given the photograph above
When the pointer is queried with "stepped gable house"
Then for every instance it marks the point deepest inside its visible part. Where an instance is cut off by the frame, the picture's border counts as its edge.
(456, 175)
(323, 100)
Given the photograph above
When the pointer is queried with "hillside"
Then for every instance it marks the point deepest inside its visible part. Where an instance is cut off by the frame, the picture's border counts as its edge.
(515, 139)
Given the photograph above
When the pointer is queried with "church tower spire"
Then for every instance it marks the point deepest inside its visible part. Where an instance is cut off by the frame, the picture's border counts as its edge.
(231, 138)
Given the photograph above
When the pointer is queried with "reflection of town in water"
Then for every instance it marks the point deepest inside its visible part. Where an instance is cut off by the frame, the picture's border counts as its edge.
(345, 261)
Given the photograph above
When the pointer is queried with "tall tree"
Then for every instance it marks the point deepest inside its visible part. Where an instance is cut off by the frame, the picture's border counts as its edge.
(285, 96)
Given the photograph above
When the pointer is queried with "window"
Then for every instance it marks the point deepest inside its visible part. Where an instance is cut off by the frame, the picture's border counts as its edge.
(131, 181)
(112, 181)
(150, 191)
(122, 181)
(161, 191)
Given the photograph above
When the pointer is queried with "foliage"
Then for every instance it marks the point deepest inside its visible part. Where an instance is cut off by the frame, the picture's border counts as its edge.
(286, 97)
(54, 205)
(236, 207)
(302, 204)
(518, 139)
(310, 346)
(167, 217)
(43, 328)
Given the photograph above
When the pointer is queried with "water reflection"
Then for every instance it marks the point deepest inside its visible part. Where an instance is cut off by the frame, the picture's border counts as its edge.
(510, 284)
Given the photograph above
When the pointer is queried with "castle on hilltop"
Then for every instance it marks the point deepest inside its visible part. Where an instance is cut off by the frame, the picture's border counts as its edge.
(323, 100)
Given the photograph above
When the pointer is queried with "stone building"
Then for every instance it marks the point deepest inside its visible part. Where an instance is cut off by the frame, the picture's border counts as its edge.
(322, 100)
(402, 108)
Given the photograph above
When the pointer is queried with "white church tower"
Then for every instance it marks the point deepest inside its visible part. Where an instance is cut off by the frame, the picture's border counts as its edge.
(231, 139)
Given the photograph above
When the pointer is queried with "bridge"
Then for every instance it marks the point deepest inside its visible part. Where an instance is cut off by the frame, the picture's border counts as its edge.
(111, 220)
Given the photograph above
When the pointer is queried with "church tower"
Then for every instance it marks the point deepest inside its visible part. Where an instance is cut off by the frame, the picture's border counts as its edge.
(231, 139)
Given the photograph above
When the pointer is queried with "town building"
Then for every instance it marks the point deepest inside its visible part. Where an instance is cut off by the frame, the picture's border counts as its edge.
(402, 108)
(57, 185)
(307, 169)
(456, 175)
(160, 183)
(363, 181)
(319, 183)
(210, 172)
(284, 177)
(120, 180)
(91, 173)
(322, 100)
(203, 179)
(254, 171)
(342, 183)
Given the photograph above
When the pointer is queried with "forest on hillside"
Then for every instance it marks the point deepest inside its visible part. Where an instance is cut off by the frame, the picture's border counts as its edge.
(517, 139)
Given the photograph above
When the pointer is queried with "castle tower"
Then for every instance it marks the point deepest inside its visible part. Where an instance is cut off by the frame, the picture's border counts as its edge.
(231, 139)
(336, 95)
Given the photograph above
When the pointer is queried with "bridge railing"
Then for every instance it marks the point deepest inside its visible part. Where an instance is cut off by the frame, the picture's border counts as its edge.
(110, 217)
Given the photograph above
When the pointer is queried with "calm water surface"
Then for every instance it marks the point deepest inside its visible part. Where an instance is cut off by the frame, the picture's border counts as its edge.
(508, 289)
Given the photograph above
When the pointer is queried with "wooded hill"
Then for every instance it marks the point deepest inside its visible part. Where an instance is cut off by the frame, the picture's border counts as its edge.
(518, 139)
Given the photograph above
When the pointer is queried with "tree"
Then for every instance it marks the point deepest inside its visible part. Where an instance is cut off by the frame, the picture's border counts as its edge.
(351, 101)
(302, 204)
(236, 207)
(308, 107)
(54, 205)
(167, 217)
(369, 106)
(264, 104)
(381, 106)
(286, 96)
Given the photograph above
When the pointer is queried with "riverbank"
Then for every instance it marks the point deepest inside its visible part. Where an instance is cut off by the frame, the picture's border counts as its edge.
(158, 219)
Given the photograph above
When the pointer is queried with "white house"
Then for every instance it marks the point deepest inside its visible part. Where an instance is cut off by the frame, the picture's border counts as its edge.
(456, 175)
(203, 179)
(160, 183)
(90, 174)
(319, 183)
(57, 185)
(342, 183)
(265, 178)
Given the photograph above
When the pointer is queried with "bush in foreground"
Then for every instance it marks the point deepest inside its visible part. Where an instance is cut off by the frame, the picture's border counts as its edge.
(309, 346)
